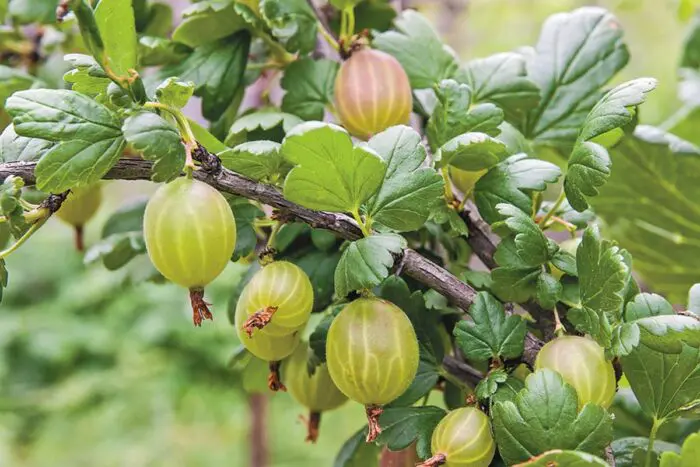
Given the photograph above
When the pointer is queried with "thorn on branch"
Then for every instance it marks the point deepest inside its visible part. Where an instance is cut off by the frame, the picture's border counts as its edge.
(210, 162)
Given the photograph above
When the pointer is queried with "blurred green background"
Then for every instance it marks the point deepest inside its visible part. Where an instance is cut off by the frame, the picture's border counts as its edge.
(99, 369)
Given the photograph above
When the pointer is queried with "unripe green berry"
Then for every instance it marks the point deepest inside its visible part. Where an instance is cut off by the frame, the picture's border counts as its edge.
(316, 392)
(463, 439)
(81, 204)
(264, 346)
(465, 180)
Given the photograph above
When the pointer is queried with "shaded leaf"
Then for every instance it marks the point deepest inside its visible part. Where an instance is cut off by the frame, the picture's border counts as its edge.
(402, 426)
(309, 87)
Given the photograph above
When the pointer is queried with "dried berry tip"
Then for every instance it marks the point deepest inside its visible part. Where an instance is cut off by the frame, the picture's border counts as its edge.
(373, 429)
(312, 424)
(200, 308)
(209, 162)
(79, 243)
(259, 320)
(274, 382)
(436, 460)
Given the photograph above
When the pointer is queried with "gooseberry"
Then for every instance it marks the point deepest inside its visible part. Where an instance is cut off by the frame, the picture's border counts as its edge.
(79, 206)
(462, 439)
(316, 391)
(281, 290)
(190, 235)
(581, 363)
(372, 93)
(372, 355)
(465, 180)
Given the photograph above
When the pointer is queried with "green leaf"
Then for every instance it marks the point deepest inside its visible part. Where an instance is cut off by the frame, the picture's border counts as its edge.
(488, 386)
(454, 115)
(425, 380)
(473, 152)
(666, 384)
(174, 92)
(577, 54)
(119, 42)
(217, 70)
(263, 124)
(122, 237)
(343, 4)
(309, 87)
(11, 207)
(416, 45)
(33, 11)
(292, 22)
(89, 136)
(158, 141)
(532, 248)
(649, 206)
(245, 213)
(511, 182)
(626, 450)
(690, 453)
(491, 334)
(366, 262)
(402, 426)
(14, 148)
(502, 79)
(565, 262)
(603, 277)
(13, 80)
(355, 452)
(81, 81)
(205, 138)
(259, 160)
(544, 416)
(319, 336)
(156, 51)
(565, 458)
(589, 168)
(330, 174)
(208, 21)
(549, 291)
(409, 191)
(645, 305)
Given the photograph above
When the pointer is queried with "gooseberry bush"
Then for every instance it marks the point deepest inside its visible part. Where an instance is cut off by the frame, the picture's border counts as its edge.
(492, 258)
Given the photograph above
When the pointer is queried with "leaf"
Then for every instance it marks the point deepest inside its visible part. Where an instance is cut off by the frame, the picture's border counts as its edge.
(603, 277)
(156, 51)
(625, 449)
(564, 458)
(217, 70)
(320, 266)
(13, 80)
(309, 87)
(488, 386)
(690, 453)
(119, 42)
(319, 336)
(263, 124)
(565, 262)
(245, 214)
(514, 284)
(292, 22)
(665, 384)
(416, 45)
(81, 81)
(158, 141)
(11, 207)
(425, 380)
(589, 168)
(89, 136)
(511, 181)
(549, 291)
(330, 174)
(491, 334)
(355, 452)
(4, 275)
(502, 79)
(259, 160)
(174, 92)
(15, 148)
(402, 426)
(544, 416)
(577, 53)
(645, 305)
(454, 115)
(473, 152)
(32, 11)
(205, 138)
(409, 191)
(532, 248)
(649, 206)
(366, 262)
(122, 237)
(207, 21)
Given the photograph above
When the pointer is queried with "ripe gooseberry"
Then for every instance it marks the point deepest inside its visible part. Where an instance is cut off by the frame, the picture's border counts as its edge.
(465, 180)
(280, 289)
(581, 363)
(190, 235)
(79, 206)
(372, 355)
(462, 439)
(372, 93)
(316, 391)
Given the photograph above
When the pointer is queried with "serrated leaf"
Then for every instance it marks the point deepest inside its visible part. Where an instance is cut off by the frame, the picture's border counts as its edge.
(416, 45)
(502, 79)
(589, 168)
(89, 136)
(309, 87)
(627, 449)
(207, 21)
(565, 262)
(511, 182)
(157, 51)
(122, 237)
(263, 124)
(81, 81)
(330, 174)
(532, 247)
(491, 334)
(690, 453)
(648, 205)
(119, 42)
(515, 284)
(577, 54)
(409, 191)
(473, 152)
(15, 148)
(174, 92)
(355, 452)
(454, 114)
(488, 386)
(158, 141)
(564, 458)
(603, 277)
(13, 80)
(366, 262)
(549, 291)
(292, 22)
(402, 426)
(544, 416)
(259, 160)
